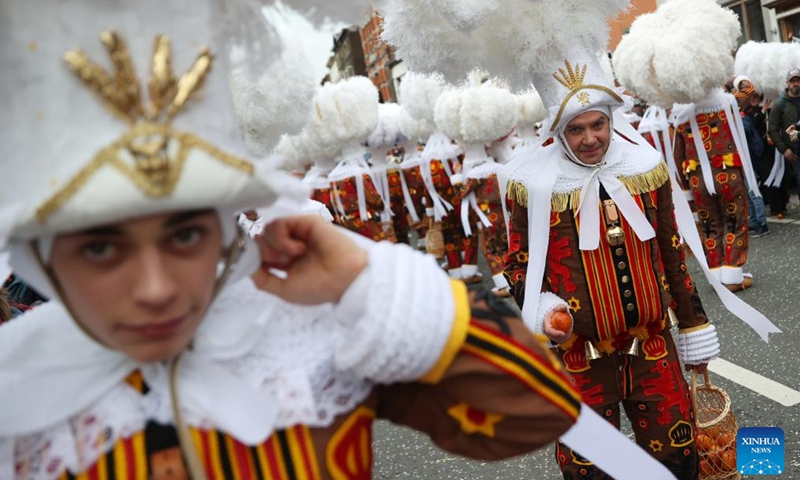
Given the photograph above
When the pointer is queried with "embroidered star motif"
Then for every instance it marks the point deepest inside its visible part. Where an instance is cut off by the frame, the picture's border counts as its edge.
(583, 97)
(574, 304)
(656, 446)
(676, 242)
(474, 421)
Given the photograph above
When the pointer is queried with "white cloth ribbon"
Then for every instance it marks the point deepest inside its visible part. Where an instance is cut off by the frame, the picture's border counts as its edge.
(439, 147)
(616, 454)
(412, 211)
(589, 235)
(470, 202)
(540, 193)
(778, 171)
(353, 166)
(686, 225)
(727, 104)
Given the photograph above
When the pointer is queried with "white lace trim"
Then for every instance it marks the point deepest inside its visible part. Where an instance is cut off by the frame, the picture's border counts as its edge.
(624, 161)
(547, 302)
(417, 308)
(700, 346)
(292, 360)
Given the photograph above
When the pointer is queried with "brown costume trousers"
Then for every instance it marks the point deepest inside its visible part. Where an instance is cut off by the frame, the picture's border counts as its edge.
(655, 397)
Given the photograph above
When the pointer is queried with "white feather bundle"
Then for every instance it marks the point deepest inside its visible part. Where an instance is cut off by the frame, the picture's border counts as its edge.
(530, 110)
(679, 54)
(265, 59)
(767, 64)
(413, 129)
(511, 41)
(388, 132)
(476, 115)
(344, 112)
(419, 93)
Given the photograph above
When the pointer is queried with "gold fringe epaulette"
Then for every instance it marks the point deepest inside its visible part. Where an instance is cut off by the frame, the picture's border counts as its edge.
(636, 185)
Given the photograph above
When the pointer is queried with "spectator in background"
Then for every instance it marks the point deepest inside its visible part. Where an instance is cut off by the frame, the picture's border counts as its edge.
(783, 115)
(753, 117)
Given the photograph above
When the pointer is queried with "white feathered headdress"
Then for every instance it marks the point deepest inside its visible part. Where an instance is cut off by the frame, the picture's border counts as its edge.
(509, 39)
(766, 64)
(344, 114)
(679, 54)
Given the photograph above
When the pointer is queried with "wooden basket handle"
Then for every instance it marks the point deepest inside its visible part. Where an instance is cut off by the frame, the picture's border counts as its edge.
(693, 390)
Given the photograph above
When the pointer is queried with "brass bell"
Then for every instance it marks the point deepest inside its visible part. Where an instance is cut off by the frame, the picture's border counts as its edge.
(615, 236)
(591, 351)
(673, 319)
(632, 348)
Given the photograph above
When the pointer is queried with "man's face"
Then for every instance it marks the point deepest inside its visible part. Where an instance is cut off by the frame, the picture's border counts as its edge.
(141, 286)
(793, 84)
(588, 136)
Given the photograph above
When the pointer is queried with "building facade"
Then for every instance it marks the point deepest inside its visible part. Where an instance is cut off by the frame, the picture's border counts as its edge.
(347, 59)
(379, 57)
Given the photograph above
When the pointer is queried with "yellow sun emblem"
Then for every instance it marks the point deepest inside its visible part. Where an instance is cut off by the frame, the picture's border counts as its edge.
(656, 446)
(473, 420)
(574, 304)
(583, 97)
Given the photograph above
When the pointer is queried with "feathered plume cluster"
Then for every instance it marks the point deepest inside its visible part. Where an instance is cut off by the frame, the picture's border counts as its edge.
(678, 54)
(510, 40)
(344, 112)
(263, 61)
(766, 64)
(419, 93)
(530, 110)
(476, 115)
(388, 132)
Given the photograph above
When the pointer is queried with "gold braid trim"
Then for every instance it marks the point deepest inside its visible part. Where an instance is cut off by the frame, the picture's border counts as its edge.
(160, 183)
(561, 202)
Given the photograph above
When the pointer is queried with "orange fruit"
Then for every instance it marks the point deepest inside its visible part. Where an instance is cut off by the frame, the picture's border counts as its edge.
(728, 460)
(724, 439)
(562, 321)
(704, 442)
(705, 468)
(713, 456)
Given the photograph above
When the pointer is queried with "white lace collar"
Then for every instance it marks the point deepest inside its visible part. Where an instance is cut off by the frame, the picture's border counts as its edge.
(70, 392)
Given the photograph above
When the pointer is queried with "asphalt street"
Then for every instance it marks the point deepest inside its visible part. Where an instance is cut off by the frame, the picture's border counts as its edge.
(775, 264)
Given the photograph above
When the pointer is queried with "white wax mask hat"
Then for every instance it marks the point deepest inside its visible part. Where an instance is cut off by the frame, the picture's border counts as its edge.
(127, 115)
(575, 86)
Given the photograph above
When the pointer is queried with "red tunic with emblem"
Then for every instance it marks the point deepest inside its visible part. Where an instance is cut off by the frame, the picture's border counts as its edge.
(494, 238)
(616, 293)
(722, 216)
(345, 199)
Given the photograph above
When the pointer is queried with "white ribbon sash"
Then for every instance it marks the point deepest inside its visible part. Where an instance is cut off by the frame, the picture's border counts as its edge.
(749, 315)
(470, 202)
(589, 235)
(608, 449)
(778, 171)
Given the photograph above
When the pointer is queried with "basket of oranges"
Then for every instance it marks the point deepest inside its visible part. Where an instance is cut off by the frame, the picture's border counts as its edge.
(716, 430)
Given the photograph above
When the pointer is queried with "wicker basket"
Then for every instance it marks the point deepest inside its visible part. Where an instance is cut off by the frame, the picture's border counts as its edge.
(434, 240)
(716, 430)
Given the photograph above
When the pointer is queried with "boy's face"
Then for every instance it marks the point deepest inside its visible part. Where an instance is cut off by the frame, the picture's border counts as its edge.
(141, 286)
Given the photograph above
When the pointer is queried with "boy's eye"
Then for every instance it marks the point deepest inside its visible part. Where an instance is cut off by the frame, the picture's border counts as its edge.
(187, 237)
(99, 250)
